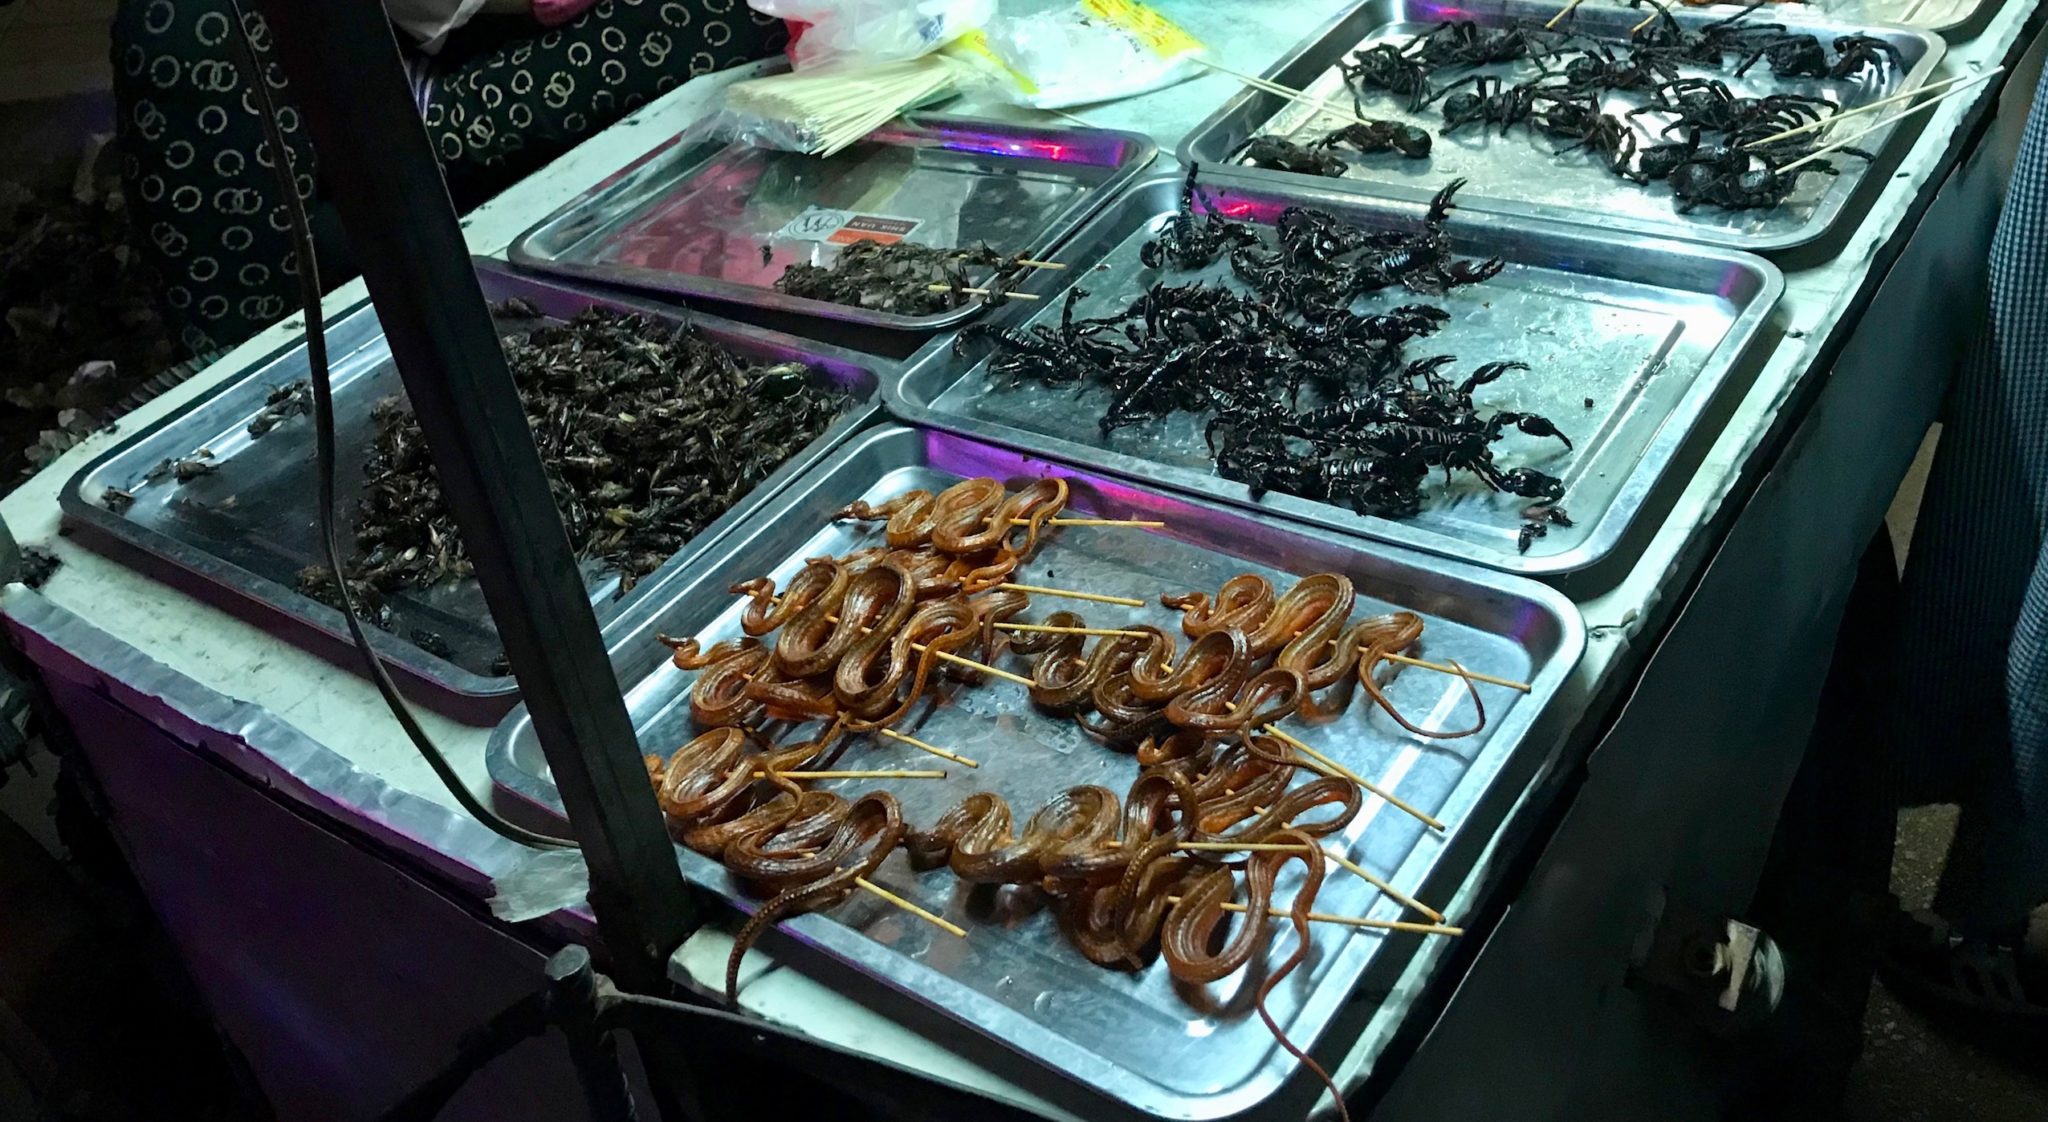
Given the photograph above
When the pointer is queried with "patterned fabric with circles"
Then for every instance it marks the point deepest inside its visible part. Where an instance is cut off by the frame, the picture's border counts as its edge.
(198, 175)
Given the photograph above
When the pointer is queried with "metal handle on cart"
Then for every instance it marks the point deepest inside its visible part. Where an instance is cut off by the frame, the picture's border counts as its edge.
(589, 1008)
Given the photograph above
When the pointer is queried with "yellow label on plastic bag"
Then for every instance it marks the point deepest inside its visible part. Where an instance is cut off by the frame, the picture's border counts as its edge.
(1160, 35)
(975, 43)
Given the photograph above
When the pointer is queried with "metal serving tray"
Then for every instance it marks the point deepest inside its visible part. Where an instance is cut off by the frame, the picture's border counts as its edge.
(243, 532)
(1629, 339)
(1519, 174)
(1135, 1037)
(1938, 16)
(695, 219)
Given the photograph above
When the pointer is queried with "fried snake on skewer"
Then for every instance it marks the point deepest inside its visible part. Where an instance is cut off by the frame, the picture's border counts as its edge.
(864, 833)
(856, 640)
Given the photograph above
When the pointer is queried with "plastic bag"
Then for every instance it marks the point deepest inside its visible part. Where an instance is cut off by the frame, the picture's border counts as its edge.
(1053, 55)
(823, 111)
(545, 882)
(861, 32)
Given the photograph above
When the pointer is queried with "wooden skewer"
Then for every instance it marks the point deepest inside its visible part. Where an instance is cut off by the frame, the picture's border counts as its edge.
(981, 292)
(1072, 595)
(1029, 263)
(1568, 9)
(1332, 767)
(1647, 20)
(1354, 867)
(1067, 630)
(1287, 92)
(1349, 921)
(913, 909)
(884, 774)
(981, 666)
(1886, 123)
(951, 657)
(1246, 847)
(1872, 107)
(1343, 772)
(1398, 896)
(1139, 522)
(916, 743)
(1443, 669)
(923, 747)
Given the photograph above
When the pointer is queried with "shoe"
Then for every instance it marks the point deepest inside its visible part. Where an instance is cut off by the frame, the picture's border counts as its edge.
(1984, 979)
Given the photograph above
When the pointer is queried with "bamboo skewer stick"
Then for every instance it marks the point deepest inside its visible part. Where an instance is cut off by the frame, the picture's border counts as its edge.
(890, 773)
(1248, 847)
(923, 747)
(1873, 107)
(1332, 767)
(981, 292)
(1139, 522)
(1349, 921)
(1398, 896)
(915, 743)
(1395, 894)
(1443, 669)
(1343, 772)
(1568, 9)
(913, 909)
(1368, 876)
(1028, 262)
(1647, 20)
(1887, 122)
(981, 666)
(1287, 92)
(951, 657)
(1070, 594)
(1066, 630)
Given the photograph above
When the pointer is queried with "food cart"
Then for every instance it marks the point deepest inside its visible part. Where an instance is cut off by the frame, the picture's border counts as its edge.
(336, 906)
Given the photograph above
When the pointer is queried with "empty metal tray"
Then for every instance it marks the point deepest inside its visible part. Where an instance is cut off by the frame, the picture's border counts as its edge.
(244, 531)
(1629, 339)
(1519, 173)
(724, 220)
(1133, 1036)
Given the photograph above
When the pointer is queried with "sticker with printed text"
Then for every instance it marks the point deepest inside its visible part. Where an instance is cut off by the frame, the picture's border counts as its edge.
(844, 227)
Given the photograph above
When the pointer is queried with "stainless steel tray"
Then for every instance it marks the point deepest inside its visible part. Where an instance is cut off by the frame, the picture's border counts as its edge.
(1519, 174)
(694, 219)
(1938, 16)
(1133, 1037)
(1629, 337)
(243, 532)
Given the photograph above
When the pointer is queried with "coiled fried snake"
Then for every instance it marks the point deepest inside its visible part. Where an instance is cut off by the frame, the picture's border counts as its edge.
(862, 835)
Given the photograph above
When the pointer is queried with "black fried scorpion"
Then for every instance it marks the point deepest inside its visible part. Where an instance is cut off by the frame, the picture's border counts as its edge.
(1303, 393)
(1660, 140)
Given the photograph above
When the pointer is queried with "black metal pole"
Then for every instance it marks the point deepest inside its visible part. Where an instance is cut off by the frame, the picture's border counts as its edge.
(375, 157)
(573, 999)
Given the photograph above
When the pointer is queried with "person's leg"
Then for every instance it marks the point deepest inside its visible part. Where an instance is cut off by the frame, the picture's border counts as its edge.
(196, 173)
(1975, 635)
(523, 102)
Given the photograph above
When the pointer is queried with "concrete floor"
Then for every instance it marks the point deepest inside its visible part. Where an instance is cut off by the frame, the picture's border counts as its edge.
(1912, 1070)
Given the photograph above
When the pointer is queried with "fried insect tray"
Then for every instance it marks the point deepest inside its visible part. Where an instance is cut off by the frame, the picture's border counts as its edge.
(1136, 1037)
(245, 530)
(1628, 338)
(1520, 174)
(724, 220)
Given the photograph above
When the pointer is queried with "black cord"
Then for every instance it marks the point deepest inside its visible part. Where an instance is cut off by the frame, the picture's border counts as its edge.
(323, 430)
